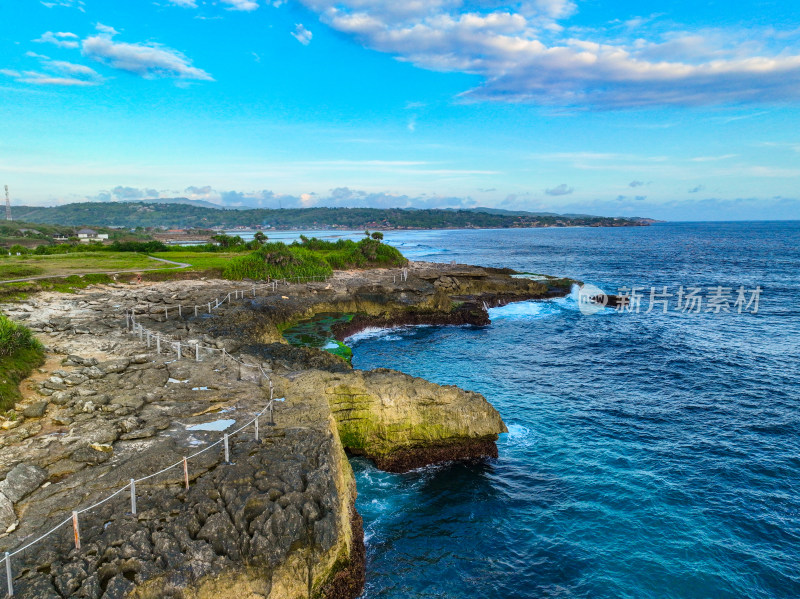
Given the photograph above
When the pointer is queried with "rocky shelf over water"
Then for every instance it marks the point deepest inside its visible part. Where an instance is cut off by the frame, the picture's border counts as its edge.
(278, 520)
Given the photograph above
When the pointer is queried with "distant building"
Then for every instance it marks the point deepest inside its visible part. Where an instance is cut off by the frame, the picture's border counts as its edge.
(58, 237)
(87, 235)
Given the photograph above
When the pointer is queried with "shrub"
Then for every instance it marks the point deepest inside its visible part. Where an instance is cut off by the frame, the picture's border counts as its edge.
(14, 337)
(20, 353)
(345, 253)
(277, 261)
(145, 247)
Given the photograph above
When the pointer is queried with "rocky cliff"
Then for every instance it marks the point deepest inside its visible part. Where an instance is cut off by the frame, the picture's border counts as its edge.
(278, 521)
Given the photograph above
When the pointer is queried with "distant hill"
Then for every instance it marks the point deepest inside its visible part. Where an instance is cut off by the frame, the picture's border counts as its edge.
(190, 215)
(186, 201)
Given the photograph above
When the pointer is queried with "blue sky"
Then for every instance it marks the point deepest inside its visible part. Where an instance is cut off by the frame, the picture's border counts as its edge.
(681, 111)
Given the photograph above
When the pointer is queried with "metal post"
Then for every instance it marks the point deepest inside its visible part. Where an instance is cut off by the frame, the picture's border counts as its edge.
(271, 404)
(76, 530)
(141, 333)
(186, 472)
(158, 343)
(223, 357)
(9, 576)
(254, 291)
(133, 497)
(196, 352)
(209, 307)
(127, 321)
(148, 339)
(216, 302)
(180, 311)
(195, 311)
(179, 350)
(166, 312)
(239, 376)
(227, 450)
(256, 428)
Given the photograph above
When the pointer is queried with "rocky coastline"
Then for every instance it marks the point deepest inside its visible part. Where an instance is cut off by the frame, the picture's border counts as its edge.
(278, 520)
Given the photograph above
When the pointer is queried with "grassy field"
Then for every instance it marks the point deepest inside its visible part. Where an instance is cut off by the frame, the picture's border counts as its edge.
(18, 267)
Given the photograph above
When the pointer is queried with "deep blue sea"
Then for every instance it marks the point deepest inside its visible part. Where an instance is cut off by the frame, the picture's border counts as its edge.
(649, 455)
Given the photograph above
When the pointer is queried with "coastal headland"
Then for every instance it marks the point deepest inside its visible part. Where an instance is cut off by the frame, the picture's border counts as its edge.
(115, 402)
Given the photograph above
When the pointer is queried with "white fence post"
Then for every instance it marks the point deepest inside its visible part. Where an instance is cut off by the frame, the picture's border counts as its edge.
(256, 428)
(209, 307)
(197, 352)
(180, 312)
(195, 311)
(227, 450)
(179, 350)
(133, 497)
(186, 472)
(166, 312)
(158, 343)
(9, 576)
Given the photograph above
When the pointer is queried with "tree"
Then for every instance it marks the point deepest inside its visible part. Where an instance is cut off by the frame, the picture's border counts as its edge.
(366, 232)
(260, 237)
(377, 235)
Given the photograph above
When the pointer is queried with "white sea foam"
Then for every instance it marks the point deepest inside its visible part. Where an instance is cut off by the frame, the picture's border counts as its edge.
(523, 310)
(519, 435)
(368, 333)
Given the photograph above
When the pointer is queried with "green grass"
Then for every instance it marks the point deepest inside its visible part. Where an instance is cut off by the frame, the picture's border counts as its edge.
(71, 264)
(278, 261)
(200, 260)
(346, 254)
(20, 353)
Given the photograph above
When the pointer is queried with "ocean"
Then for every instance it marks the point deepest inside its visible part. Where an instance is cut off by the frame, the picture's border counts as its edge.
(650, 454)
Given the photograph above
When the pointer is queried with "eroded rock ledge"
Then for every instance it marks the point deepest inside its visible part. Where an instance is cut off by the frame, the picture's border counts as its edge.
(279, 522)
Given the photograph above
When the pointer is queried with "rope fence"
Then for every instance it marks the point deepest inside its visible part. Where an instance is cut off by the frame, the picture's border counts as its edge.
(183, 464)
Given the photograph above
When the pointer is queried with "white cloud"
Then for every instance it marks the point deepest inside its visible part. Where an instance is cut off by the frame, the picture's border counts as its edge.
(106, 29)
(521, 51)
(56, 72)
(74, 69)
(245, 5)
(301, 34)
(150, 61)
(184, 3)
(66, 3)
(560, 190)
(37, 78)
(60, 39)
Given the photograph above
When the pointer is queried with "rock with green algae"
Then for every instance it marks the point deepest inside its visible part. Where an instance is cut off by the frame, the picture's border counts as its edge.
(403, 422)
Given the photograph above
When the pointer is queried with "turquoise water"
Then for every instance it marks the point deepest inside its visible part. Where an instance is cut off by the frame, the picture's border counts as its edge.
(649, 455)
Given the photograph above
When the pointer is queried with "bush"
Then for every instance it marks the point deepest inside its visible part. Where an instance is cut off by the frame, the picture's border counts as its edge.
(277, 261)
(20, 353)
(345, 253)
(14, 337)
(145, 247)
